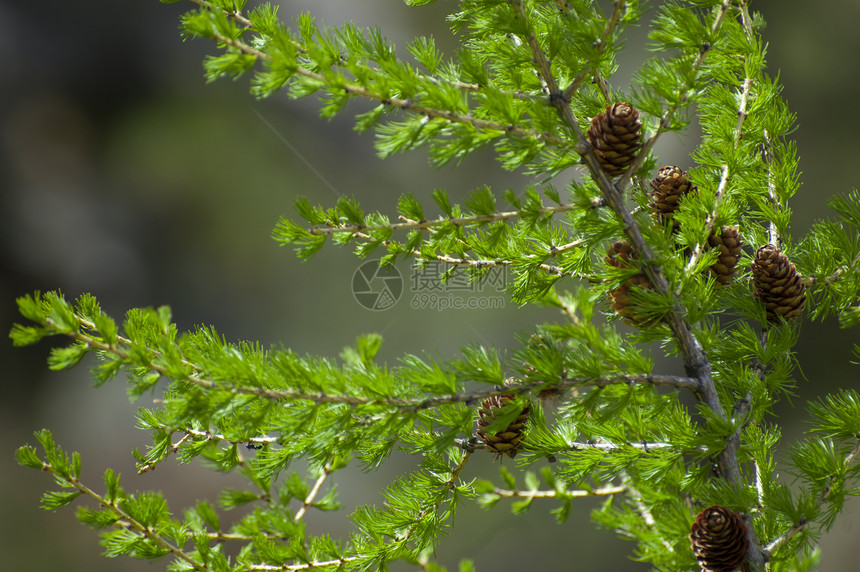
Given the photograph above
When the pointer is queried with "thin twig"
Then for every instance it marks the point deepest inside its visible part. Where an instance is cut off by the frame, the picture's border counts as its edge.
(131, 523)
(427, 224)
(603, 446)
(800, 526)
(173, 449)
(669, 115)
(340, 562)
(461, 85)
(405, 404)
(643, 509)
(482, 264)
(545, 494)
(600, 46)
(402, 104)
(699, 249)
(327, 470)
(837, 274)
(746, 87)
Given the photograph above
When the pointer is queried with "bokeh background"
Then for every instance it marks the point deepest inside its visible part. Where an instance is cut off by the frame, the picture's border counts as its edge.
(123, 174)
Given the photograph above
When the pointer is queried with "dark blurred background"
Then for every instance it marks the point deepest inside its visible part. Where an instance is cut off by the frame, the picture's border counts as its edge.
(123, 174)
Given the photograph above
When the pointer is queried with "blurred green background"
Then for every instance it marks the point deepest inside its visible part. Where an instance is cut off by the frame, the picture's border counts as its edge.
(123, 174)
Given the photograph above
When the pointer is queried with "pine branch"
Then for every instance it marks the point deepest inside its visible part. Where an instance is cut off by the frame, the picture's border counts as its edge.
(696, 361)
(803, 523)
(669, 115)
(170, 451)
(209, 436)
(335, 228)
(402, 104)
(313, 565)
(699, 249)
(309, 499)
(545, 494)
(128, 521)
(407, 405)
(464, 86)
(213, 536)
(642, 508)
(600, 45)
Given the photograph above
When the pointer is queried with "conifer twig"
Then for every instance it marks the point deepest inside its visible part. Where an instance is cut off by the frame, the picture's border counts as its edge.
(303, 566)
(803, 523)
(427, 224)
(746, 87)
(209, 436)
(604, 446)
(669, 115)
(573, 493)
(129, 521)
(405, 404)
(643, 509)
(483, 264)
(600, 45)
(464, 86)
(309, 499)
(399, 103)
(720, 193)
(173, 449)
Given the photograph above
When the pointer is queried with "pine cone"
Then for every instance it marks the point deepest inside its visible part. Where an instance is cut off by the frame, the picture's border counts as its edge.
(668, 187)
(729, 243)
(718, 537)
(621, 255)
(616, 136)
(504, 442)
(777, 284)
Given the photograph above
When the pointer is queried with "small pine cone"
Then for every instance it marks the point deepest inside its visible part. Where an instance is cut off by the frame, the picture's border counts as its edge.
(777, 284)
(667, 189)
(729, 243)
(718, 537)
(621, 255)
(616, 136)
(506, 442)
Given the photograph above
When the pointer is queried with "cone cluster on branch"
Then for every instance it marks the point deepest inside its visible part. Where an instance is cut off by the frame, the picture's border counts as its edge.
(616, 136)
(718, 538)
(777, 284)
(505, 442)
(621, 255)
(667, 189)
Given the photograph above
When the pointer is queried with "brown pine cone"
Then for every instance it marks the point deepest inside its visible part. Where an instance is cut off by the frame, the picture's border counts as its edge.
(777, 284)
(506, 442)
(667, 189)
(616, 136)
(621, 255)
(718, 538)
(729, 242)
